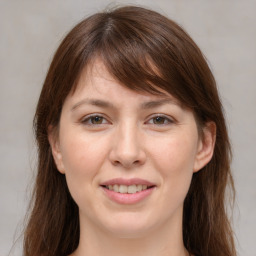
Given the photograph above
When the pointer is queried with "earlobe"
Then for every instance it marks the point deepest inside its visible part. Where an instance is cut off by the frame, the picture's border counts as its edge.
(55, 148)
(206, 146)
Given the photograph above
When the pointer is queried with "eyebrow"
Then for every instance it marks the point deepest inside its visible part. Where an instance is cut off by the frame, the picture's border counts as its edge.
(107, 104)
(94, 102)
(157, 103)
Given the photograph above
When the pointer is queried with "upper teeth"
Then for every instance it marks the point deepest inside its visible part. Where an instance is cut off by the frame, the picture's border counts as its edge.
(127, 189)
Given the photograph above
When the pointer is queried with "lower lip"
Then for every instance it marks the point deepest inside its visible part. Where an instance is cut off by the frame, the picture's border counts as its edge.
(128, 198)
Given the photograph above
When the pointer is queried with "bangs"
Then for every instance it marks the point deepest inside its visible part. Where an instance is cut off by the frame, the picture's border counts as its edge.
(131, 63)
(146, 53)
(140, 57)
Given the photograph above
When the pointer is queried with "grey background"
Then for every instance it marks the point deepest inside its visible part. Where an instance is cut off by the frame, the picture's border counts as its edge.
(30, 31)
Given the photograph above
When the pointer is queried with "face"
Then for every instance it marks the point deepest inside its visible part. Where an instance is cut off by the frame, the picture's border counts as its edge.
(128, 158)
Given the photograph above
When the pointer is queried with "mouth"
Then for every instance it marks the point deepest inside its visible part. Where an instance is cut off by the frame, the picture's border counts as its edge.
(128, 191)
(131, 189)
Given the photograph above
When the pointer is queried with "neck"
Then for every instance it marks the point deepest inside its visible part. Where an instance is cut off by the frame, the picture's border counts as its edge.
(163, 241)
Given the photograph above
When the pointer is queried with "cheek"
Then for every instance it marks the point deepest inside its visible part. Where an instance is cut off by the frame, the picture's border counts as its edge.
(82, 159)
(176, 156)
(175, 161)
(82, 152)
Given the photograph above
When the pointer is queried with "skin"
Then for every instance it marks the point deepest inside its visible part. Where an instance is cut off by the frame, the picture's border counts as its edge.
(129, 139)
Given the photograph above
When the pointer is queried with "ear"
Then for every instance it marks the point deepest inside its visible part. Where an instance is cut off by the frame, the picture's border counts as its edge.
(55, 147)
(205, 146)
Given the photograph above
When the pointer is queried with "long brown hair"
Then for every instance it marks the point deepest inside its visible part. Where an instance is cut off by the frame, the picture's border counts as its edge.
(144, 51)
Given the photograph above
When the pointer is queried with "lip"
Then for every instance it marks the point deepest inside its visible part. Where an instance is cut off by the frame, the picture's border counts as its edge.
(127, 182)
(126, 198)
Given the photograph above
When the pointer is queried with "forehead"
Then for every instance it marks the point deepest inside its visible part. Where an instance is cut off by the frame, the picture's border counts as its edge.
(95, 81)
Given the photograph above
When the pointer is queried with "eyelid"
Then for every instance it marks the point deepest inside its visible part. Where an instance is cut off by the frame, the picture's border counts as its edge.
(87, 118)
(170, 119)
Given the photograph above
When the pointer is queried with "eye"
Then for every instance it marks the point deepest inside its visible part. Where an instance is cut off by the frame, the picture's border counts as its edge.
(160, 120)
(94, 120)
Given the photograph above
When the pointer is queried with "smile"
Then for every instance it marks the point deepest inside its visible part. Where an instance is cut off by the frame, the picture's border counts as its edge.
(124, 189)
(127, 191)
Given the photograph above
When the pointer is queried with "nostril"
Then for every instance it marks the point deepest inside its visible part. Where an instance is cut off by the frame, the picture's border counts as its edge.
(116, 162)
(126, 164)
(127, 157)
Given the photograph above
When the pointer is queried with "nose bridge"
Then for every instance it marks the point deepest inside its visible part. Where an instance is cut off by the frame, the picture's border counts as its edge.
(127, 142)
(127, 149)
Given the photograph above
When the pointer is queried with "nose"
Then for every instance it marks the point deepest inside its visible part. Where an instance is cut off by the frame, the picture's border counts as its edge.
(127, 147)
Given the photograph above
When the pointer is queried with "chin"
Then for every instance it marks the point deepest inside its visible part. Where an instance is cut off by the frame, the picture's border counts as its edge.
(129, 227)
(126, 232)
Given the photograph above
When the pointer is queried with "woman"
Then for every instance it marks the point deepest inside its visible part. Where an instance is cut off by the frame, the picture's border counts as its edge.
(134, 155)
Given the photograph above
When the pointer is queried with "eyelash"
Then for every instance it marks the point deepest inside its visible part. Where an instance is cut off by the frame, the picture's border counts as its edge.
(88, 120)
(167, 120)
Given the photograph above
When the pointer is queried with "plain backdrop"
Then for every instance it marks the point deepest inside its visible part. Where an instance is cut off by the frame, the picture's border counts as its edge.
(30, 31)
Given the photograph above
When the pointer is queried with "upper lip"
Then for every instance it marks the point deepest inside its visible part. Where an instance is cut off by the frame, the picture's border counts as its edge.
(127, 182)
